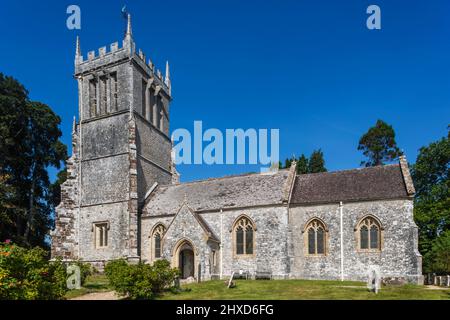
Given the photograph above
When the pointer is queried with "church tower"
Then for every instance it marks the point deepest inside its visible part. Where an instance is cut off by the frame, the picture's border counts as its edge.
(121, 147)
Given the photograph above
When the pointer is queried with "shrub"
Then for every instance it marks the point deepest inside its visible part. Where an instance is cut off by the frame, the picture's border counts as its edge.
(140, 281)
(162, 275)
(86, 270)
(27, 274)
(119, 275)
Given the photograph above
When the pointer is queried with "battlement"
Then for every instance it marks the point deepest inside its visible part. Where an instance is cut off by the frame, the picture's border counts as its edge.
(103, 57)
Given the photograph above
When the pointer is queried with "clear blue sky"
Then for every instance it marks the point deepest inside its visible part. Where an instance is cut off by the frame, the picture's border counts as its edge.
(310, 68)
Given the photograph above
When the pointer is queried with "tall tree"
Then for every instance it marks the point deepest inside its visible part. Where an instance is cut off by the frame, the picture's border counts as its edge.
(379, 145)
(55, 187)
(432, 202)
(29, 144)
(302, 164)
(440, 254)
(316, 162)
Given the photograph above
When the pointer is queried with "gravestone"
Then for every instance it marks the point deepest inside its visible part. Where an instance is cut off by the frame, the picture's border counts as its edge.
(176, 283)
(429, 278)
(230, 282)
(374, 279)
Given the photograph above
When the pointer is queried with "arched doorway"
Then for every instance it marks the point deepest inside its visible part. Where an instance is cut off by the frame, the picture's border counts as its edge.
(186, 261)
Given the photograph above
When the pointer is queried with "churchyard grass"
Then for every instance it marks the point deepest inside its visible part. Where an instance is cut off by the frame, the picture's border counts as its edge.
(304, 289)
(281, 290)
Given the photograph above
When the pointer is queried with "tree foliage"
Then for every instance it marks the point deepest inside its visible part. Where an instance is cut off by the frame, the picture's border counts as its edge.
(315, 163)
(378, 145)
(440, 254)
(432, 202)
(29, 144)
(26, 274)
(302, 164)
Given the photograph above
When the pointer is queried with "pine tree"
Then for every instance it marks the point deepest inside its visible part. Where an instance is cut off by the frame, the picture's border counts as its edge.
(378, 145)
(316, 162)
(302, 164)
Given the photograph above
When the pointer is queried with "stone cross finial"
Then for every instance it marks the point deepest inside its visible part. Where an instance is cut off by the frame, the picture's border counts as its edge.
(185, 198)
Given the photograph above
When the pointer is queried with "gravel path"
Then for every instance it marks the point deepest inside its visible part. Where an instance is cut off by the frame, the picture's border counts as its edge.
(107, 295)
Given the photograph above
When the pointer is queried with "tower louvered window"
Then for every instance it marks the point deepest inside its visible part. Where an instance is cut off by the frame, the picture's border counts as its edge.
(92, 98)
(114, 91)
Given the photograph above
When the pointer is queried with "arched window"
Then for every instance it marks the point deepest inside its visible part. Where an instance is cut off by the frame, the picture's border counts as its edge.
(369, 234)
(316, 234)
(244, 236)
(157, 235)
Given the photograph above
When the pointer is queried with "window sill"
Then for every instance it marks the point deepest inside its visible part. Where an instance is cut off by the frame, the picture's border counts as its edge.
(318, 255)
(368, 250)
(244, 256)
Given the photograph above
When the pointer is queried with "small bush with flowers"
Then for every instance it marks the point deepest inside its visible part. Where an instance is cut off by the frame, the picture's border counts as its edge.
(26, 274)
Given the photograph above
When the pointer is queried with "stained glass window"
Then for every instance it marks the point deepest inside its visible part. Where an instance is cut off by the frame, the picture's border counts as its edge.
(158, 233)
(374, 237)
(239, 240)
(244, 236)
(320, 241)
(311, 241)
(369, 234)
(364, 237)
(157, 246)
(316, 237)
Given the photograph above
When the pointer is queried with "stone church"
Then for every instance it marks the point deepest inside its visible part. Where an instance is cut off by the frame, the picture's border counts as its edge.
(123, 198)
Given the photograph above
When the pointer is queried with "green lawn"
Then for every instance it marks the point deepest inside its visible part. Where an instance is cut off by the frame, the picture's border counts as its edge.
(95, 283)
(303, 289)
(280, 289)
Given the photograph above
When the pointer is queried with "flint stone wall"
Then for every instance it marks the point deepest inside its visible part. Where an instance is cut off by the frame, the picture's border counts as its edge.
(399, 257)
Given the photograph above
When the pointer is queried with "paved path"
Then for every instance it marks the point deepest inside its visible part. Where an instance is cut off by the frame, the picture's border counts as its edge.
(107, 295)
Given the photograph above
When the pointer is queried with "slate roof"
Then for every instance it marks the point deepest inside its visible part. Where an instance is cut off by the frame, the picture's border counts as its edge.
(380, 182)
(213, 194)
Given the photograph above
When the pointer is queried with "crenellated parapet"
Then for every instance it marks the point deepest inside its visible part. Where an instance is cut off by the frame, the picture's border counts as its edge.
(115, 54)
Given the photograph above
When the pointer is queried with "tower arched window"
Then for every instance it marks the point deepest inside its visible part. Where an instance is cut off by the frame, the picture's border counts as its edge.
(244, 236)
(369, 234)
(316, 237)
(158, 233)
